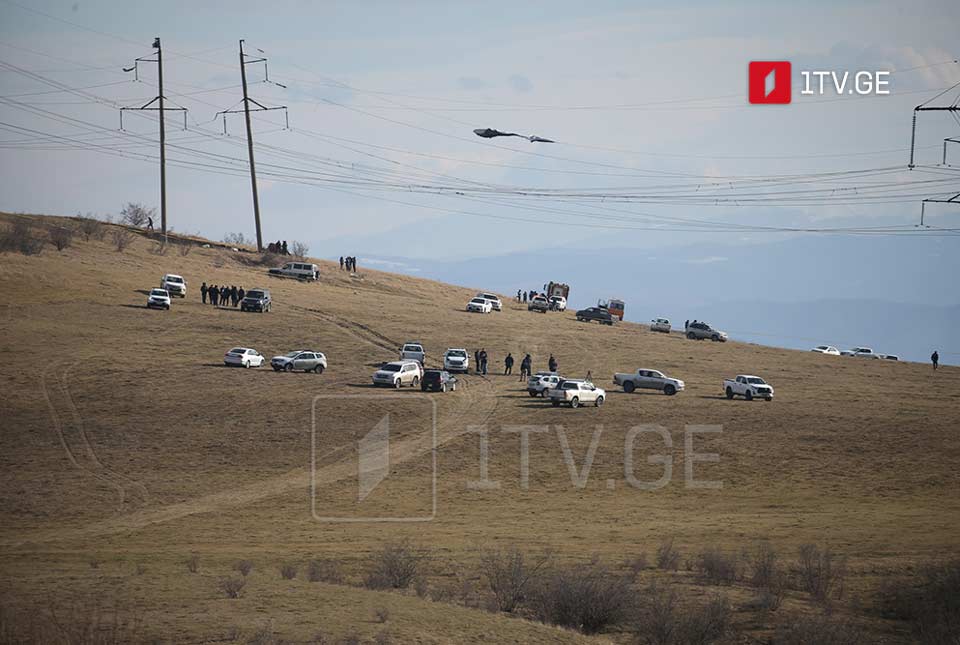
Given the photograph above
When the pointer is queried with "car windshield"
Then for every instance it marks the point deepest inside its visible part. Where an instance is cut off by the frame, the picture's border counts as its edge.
(412, 348)
(237, 350)
(478, 301)
(158, 292)
(570, 386)
(756, 380)
(174, 278)
(456, 353)
(390, 367)
(292, 354)
(254, 294)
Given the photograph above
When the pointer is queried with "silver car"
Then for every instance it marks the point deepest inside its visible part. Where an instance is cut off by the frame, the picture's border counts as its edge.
(303, 360)
(703, 331)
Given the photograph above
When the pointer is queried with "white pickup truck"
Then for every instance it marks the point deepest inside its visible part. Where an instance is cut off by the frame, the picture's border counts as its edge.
(174, 284)
(748, 387)
(644, 379)
(862, 352)
(575, 393)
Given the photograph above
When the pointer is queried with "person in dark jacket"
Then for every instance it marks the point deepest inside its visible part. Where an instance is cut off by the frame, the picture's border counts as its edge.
(214, 292)
(552, 364)
(476, 360)
(524, 297)
(284, 248)
(241, 293)
(483, 361)
(224, 295)
(508, 363)
(525, 367)
(341, 263)
(234, 295)
(203, 292)
(935, 359)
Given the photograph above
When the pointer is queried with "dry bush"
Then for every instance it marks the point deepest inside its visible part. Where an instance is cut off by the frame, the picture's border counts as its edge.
(509, 575)
(158, 248)
(299, 250)
(395, 566)
(818, 630)
(237, 239)
(91, 228)
(140, 569)
(421, 587)
(121, 238)
(263, 636)
(324, 570)
(662, 620)
(717, 567)
(83, 622)
(20, 238)
(193, 563)
(232, 587)
(184, 248)
(243, 567)
(636, 564)
(588, 598)
(60, 236)
(820, 573)
(136, 214)
(668, 556)
(288, 571)
(764, 570)
(382, 638)
(381, 614)
(350, 639)
(931, 602)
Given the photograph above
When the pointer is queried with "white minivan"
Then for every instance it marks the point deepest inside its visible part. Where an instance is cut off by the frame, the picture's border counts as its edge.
(302, 270)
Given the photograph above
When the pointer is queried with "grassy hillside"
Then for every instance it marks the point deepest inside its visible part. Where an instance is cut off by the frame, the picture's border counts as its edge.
(127, 449)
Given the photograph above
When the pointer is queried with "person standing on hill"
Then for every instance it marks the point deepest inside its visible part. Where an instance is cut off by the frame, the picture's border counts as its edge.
(508, 363)
(483, 361)
(524, 297)
(525, 366)
(552, 364)
(212, 290)
(341, 263)
(234, 295)
(686, 325)
(476, 360)
(935, 359)
(241, 293)
(203, 292)
(224, 295)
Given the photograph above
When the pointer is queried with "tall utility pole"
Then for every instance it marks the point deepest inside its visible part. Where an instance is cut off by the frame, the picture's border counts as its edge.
(245, 60)
(163, 132)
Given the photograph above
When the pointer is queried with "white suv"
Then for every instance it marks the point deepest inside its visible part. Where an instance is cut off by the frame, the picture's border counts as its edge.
(413, 352)
(480, 305)
(399, 373)
(174, 284)
(456, 360)
(576, 392)
(493, 298)
(862, 352)
(541, 383)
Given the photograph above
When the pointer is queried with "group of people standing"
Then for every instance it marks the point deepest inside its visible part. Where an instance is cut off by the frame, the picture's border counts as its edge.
(348, 263)
(523, 296)
(221, 296)
(481, 359)
(278, 247)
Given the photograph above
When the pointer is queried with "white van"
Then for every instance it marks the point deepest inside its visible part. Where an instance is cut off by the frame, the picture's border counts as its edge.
(302, 270)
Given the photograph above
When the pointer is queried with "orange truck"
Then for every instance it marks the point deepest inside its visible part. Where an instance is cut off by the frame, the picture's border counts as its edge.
(556, 289)
(614, 305)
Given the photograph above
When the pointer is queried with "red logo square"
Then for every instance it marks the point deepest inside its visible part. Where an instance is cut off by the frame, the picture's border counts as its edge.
(770, 81)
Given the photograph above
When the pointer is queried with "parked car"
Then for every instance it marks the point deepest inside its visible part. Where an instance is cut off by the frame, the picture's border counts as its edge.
(542, 382)
(494, 300)
(438, 381)
(644, 379)
(890, 357)
(702, 331)
(480, 305)
(826, 349)
(301, 359)
(748, 387)
(398, 374)
(256, 300)
(576, 392)
(538, 303)
(602, 316)
(413, 351)
(661, 325)
(301, 270)
(456, 360)
(558, 303)
(243, 357)
(174, 284)
(158, 299)
(862, 352)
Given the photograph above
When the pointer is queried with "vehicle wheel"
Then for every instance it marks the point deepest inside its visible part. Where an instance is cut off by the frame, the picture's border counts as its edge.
(715, 338)
(691, 335)
(397, 384)
(532, 394)
(748, 395)
(318, 369)
(629, 386)
(167, 307)
(579, 319)
(555, 404)
(453, 388)
(768, 399)
(599, 401)
(443, 388)
(669, 390)
(288, 367)
(729, 393)
(416, 381)
(247, 365)
(575, 402)
(276, 369)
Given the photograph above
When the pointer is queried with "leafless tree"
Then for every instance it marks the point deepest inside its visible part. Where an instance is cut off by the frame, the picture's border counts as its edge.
(136, 214)
(299, 249)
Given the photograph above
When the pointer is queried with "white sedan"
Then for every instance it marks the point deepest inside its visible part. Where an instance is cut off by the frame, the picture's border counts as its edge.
(826, 349)
(480, 305)
(243, 357)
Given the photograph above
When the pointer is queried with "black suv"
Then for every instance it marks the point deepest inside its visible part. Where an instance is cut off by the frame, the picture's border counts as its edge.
(602, 316)
(438, 381)
(256, 300)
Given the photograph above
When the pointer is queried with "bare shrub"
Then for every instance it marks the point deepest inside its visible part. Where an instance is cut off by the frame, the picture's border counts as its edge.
(263, 636)
(136, 214)
(668, 557)
(288, 571)
(382, 638)
(421, 587)
(122, 238)
(232, 587)
(717, 567)
(243, 567)
(158, 248)
(818, 630)
(193, 563)
(662, 620)
(931, 602)
(184, 248)
(764, 571)
(140, 569)
(636, 564)
(820, 573)
(509, 575)
(351, 639)
(299, 250)
(21, 238)
(588, 598)
(381, 614)
(324, 570)
(395, 566)
(237, 239)
(60, 236)
(91, 228)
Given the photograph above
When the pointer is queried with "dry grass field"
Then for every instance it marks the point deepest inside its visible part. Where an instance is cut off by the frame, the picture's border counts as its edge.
(131, 455)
